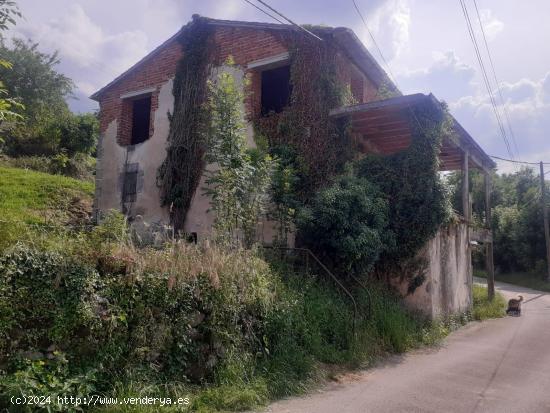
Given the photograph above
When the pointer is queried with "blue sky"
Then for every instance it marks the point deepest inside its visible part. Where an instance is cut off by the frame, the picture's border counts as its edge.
(425, 42)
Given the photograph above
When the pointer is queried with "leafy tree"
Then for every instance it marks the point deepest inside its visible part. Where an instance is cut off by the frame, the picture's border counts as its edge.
(518, 234)
(75, 133)
(239, 182)
(41, 89)
(8, 13)
(8, 106)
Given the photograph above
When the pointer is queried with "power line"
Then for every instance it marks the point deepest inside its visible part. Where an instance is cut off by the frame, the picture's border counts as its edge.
(392, 77)
(263, 11)
(288, 20)
(484, 76)
(519, 162)
(496, 80)
(374, 42)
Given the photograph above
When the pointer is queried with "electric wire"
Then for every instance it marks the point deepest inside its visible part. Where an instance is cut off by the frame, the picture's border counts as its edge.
(518, 162)
(505, 109)
(263, 11)
(485, 77)
(288, 20)
(374, 42)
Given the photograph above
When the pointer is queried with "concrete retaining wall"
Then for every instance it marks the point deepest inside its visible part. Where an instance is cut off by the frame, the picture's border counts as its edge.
(447, 288)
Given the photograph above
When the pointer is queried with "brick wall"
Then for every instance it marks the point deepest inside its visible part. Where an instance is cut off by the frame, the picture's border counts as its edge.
(243, 44)
(151, 74)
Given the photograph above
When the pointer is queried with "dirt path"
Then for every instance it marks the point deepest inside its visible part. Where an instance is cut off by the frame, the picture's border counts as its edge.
(495, 366)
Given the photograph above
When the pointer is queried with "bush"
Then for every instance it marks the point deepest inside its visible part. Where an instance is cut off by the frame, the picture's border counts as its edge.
(346, 224)
(47, 303)
(79, 166)
(483, 308)
(162, 319)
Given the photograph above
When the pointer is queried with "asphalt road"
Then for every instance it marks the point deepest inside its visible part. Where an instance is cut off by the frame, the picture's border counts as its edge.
(494, 366)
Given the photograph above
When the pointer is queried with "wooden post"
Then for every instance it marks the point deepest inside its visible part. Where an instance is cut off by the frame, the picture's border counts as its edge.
(545, 215)
(466, 187)
(466, 214)
(489, 264)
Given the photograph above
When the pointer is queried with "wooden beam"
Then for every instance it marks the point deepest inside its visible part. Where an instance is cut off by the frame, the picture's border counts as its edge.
(391, 102)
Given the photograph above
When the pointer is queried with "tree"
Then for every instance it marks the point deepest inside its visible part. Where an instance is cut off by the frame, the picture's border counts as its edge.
(34, 81)
(518, 234)
(240, 180)
(74, 134)
(8, 106)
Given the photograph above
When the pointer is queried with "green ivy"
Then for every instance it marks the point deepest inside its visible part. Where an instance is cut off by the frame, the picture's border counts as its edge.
(179, 175)
(417, 197)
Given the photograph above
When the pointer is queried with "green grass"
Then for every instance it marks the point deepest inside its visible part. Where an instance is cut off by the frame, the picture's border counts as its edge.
(524, 279)
(33, 201)
(27, 195)
(483, 308)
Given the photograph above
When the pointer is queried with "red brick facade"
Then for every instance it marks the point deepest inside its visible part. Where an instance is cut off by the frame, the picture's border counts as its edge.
(245, 45)
(152, 73)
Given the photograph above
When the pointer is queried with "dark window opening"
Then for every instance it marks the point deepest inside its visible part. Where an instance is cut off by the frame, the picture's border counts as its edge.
(276, 89)
(141, 118)
(130, 187)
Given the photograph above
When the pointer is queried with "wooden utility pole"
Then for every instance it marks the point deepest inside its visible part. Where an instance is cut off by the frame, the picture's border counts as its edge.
(466, 187)
(489, 264)
(545, 215)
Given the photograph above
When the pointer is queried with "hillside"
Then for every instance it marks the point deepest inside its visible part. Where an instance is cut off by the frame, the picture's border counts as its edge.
(31, 200)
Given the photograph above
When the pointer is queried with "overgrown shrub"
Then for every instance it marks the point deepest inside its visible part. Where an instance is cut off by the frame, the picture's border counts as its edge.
(409, 180)
(347, 224)
(79, 166)
(181, 314)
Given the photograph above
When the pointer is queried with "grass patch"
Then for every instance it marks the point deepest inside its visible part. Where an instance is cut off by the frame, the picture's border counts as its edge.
(483, 308)
(524, 279)
(32, 202)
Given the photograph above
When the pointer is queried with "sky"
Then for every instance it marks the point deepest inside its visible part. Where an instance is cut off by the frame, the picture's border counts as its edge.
(425, 43)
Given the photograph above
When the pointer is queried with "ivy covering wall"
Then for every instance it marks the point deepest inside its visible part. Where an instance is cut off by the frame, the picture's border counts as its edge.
(407, 202)
(179, 175)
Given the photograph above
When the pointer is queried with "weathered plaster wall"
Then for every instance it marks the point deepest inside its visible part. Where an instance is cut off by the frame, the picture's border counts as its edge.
(448, 285)
(148, 156)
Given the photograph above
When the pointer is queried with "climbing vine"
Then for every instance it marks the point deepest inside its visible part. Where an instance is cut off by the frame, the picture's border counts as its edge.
(417, 197)
(239, 183)
(310, 146)
(318, 145)
(179, 175)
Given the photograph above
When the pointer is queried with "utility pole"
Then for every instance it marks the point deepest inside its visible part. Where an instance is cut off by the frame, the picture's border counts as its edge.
(489, 264)
(545, 215)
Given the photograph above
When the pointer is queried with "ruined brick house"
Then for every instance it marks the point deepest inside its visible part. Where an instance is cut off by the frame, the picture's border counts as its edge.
(134, 126)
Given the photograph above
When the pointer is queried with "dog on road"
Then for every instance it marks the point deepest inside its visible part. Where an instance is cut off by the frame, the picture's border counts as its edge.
(514, 306)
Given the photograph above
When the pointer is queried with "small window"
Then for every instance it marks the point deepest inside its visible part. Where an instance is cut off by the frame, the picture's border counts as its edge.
(141, 119)
(276, 89)
(130, 186)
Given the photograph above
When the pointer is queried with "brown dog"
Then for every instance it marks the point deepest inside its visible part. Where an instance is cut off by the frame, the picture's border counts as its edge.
(514, 306)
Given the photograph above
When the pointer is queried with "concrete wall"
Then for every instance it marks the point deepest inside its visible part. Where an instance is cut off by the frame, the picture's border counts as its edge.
(447, 288)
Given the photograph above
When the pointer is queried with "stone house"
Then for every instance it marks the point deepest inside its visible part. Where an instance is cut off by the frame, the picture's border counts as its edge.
(135, 123)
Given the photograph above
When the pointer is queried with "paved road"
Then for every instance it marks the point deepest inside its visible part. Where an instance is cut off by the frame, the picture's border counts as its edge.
(495, 366)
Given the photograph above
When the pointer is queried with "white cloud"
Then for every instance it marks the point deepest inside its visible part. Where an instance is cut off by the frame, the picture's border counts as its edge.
(491, 25)
(447, 76)
(528, 109)
(390, 23)
(85, 47)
